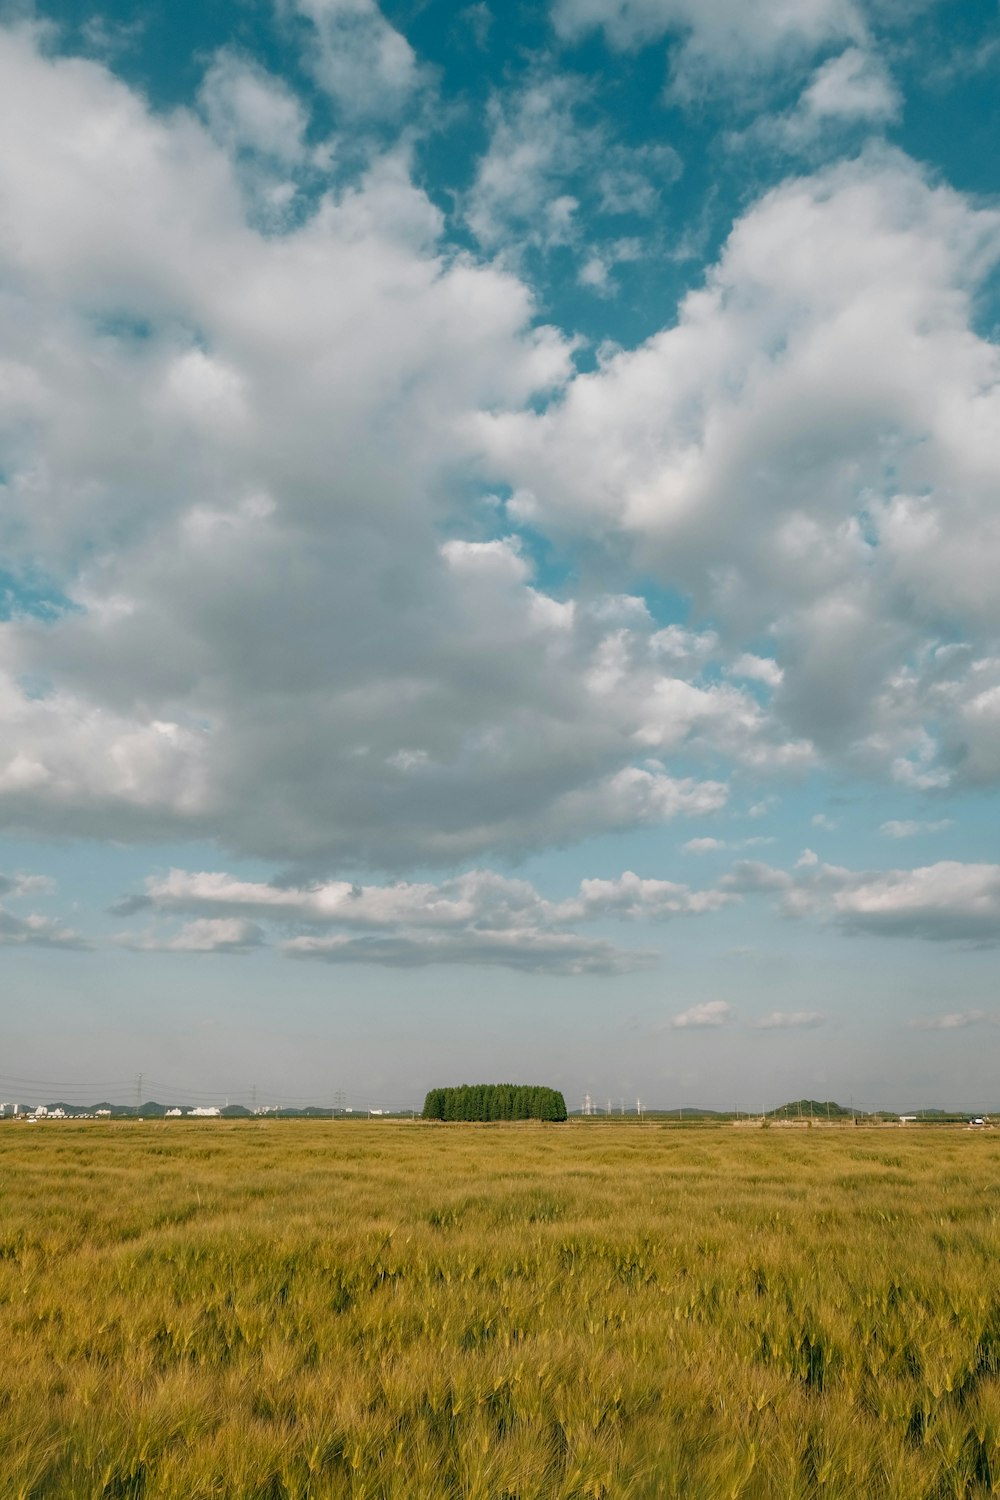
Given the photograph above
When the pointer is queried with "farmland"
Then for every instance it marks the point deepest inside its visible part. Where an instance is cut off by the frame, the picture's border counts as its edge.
(424, 1312)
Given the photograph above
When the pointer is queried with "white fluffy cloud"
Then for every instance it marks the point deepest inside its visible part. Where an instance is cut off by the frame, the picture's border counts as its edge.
(810, 452)
(949, 901)
(477, 918)
(206, 935)
(237, 456)
(235, 452)
(852, 86)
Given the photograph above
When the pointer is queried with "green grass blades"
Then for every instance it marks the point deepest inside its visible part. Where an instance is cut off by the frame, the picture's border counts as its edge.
(299, 1311)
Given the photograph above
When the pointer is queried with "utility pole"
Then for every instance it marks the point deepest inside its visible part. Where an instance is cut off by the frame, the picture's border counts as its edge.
(253, 1098)
(138, 1094)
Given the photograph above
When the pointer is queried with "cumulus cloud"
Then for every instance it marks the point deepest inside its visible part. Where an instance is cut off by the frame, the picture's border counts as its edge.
(944, 902)
(947, 901)
(237, 454)
(206, 935)
(37, 932)
(708, 1013)
(33, 930)
(280, 612)
(743, 455)
(853, 86)
(480, 917)
(851, 92)
(757, 669)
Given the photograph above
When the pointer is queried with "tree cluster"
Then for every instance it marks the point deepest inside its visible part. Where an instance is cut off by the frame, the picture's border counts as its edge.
(495, 1101)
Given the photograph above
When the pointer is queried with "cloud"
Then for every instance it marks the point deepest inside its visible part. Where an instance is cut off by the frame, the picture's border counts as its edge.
(703, 846)
(366, 66)
(853, 86)
(290, 607)
(750, 876)
(944, 902)
(851, 91)
(908, 828)
(37, 932)
(780, 1020)
(757, 669)
(537, 178)
(533, 952)
(953, 1021)
(948, 901)
(14, 886)
(718, 37)
(206, 935)
(480, 917)
(249, 109)
(298, 643)
(740, 456)
(708, 1013)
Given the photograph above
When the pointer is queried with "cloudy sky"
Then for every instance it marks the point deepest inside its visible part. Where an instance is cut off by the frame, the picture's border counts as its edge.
(499, 549)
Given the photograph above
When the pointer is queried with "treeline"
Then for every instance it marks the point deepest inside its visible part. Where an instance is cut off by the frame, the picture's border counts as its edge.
(495, 1101)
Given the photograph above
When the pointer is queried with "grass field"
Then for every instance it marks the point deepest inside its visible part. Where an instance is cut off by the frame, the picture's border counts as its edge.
(328, 1310)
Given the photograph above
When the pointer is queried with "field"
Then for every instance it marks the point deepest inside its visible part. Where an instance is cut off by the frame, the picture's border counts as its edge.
(418, 1312)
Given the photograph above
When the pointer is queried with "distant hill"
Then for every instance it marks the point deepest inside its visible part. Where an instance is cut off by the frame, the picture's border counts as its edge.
(811, 1109)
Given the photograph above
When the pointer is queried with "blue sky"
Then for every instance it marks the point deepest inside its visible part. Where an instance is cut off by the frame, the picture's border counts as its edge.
(498, 549)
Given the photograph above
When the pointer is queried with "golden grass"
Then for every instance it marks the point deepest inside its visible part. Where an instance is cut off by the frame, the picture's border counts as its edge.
(413, 1312)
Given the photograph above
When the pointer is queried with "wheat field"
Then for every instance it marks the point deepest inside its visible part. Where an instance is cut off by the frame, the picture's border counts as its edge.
(422, 1312)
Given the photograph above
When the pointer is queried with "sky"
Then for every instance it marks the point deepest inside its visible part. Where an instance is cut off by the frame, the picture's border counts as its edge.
(499, 542)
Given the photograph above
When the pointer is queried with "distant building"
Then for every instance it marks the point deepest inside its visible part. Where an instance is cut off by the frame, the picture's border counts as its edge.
(171, 1112)
(206, 1111)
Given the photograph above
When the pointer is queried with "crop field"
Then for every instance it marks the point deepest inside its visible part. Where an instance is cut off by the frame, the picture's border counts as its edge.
(426, 1312)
